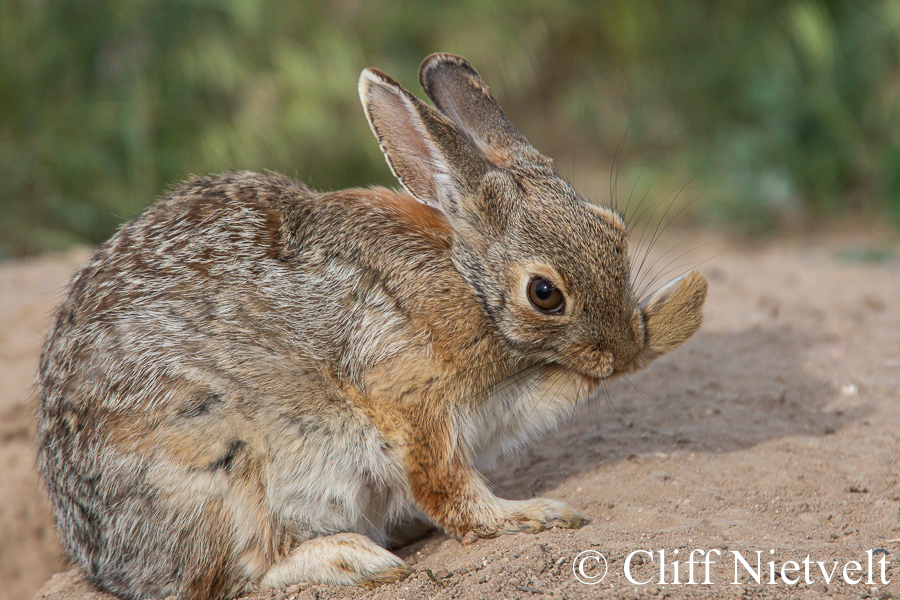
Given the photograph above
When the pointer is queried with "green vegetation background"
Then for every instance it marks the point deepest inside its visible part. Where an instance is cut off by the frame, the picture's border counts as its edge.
(771, 112)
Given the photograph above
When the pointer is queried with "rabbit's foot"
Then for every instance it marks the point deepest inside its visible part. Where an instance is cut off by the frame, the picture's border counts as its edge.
(339, 559)
(530, 516)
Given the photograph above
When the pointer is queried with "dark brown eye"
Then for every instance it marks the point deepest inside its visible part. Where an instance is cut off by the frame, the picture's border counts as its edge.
(545, 296)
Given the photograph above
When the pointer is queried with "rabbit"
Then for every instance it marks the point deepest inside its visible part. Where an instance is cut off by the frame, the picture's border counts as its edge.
(255, 384)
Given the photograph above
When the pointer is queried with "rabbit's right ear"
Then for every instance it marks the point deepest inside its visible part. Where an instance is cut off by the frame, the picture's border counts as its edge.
(458, 91)
(434, 161)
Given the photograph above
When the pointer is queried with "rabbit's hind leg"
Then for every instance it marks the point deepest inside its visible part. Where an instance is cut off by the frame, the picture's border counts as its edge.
(339, 559)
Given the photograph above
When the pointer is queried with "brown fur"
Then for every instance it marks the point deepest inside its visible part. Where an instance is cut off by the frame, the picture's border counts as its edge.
(253, 384)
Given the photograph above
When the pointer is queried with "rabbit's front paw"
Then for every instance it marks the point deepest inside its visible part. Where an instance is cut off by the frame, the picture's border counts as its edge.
(531, 516)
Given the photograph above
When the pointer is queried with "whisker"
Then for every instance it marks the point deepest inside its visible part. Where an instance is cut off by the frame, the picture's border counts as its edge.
(495, 390)
(680, 270)
(637, 211)
(636, 389)
(631, 195)
(479, 366)
(609, 398)
(658, 231)
(549, 389)
(639, 284)
(614, 173)
(644, 249)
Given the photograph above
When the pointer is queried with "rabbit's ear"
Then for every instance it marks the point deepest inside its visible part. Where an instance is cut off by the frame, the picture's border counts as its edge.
(434, 161)
(458, 91)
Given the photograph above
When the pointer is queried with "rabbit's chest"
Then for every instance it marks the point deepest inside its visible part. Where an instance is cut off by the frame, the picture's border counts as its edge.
(524, 406)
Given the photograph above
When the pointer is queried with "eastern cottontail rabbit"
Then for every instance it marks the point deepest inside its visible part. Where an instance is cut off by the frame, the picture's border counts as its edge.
(250, 384)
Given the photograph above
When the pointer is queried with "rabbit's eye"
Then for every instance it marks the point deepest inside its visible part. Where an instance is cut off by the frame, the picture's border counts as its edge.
(545, 296)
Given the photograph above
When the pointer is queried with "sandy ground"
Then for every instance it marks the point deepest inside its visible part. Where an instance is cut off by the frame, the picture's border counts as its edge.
(773, 435)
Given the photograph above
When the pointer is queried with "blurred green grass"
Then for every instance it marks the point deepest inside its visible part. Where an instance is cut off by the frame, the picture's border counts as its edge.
(775, 112)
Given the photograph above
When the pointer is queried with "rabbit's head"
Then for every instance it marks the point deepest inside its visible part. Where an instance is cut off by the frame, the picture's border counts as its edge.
(549, 269)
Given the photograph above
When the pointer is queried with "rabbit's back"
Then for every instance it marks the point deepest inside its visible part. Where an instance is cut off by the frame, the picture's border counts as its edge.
(226, 270)
(169, 282)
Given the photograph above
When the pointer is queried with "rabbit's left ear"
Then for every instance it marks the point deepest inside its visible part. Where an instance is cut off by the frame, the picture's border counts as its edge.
(429, 156)
(458, 92)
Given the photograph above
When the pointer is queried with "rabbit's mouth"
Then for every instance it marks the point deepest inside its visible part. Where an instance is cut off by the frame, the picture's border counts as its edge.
(592, 361)
(604, 365)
